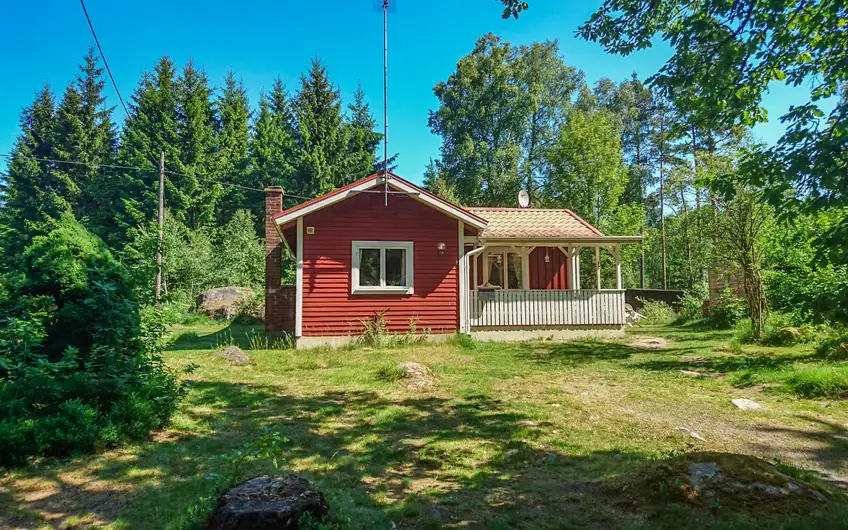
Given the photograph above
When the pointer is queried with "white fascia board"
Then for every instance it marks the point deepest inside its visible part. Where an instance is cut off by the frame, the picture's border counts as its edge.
(437, 204)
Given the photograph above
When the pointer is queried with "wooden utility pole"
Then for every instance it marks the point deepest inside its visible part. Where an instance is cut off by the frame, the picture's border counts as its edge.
(161, 223)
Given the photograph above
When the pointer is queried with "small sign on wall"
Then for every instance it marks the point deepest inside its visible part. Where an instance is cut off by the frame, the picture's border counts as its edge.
(310, 230)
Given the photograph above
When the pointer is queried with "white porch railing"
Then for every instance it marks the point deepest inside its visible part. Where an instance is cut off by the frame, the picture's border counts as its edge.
(546, 308)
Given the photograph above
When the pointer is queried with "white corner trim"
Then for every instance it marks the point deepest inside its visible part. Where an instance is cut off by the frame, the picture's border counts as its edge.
(409, 288)
(462, 272)
(298, 308)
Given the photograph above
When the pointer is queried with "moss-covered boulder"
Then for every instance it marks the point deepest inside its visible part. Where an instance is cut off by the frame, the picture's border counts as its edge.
(719, 480)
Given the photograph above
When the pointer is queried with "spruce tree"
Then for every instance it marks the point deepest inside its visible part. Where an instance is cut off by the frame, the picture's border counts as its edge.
(150, 128)
(232, 157)
(84, 132)
(35, 196)
(363, 141)
(194, 194)
(321, 134)
(273, 149)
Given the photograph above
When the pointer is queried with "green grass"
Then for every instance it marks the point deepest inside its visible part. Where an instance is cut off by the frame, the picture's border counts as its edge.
(510, 436)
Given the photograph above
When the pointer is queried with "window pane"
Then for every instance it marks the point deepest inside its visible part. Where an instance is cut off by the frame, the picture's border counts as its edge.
(369, 267)
(495, 266)
(513, 271)
(396, 267)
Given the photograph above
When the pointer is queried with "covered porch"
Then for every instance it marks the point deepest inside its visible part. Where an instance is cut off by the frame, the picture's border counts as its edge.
(518, 284)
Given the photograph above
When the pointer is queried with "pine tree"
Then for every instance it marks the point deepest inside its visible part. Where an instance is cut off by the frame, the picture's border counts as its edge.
(34, 197)
(363, 141)
(665, 150)
(84, 132)
(273, 150)
(232, 157)
(194, 194)
(321, 134)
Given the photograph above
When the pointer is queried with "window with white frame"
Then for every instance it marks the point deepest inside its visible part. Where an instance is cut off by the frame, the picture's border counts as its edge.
(382, 267)
(505, 270)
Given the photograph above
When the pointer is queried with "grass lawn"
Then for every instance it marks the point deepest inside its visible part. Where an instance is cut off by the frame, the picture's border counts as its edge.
(510, 436)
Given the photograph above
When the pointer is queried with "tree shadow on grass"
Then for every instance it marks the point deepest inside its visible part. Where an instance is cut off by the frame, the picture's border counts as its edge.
(576, 353)
(235, 333)
(421, 461)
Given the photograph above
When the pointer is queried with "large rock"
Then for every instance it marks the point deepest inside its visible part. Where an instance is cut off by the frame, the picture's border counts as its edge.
(268, 503)
(222, 302)
(707, 479)
(417, 375)
(233, 354)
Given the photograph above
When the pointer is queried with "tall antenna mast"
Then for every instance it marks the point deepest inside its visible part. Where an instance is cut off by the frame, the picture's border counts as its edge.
(386, 5)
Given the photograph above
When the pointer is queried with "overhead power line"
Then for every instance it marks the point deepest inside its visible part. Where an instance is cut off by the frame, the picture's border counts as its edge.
(103, 56)
(167, 172)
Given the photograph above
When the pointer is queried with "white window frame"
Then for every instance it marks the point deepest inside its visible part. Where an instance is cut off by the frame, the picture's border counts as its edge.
(382, 246)
(505, 253)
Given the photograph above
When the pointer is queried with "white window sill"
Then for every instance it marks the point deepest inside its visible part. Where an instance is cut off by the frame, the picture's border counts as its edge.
(383, 290)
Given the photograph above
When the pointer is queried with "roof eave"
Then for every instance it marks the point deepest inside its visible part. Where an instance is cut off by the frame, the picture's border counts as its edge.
(593, 240)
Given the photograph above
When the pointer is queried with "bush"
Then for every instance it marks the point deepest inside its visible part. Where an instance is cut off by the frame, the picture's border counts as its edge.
(834, 345)
(823, 381)
(656, 312)
(80, 367)
(692, 303)
(390, 372)
(728, 312)
(781, 329)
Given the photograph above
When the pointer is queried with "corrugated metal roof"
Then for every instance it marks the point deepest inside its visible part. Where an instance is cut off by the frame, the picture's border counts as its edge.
(533, 223)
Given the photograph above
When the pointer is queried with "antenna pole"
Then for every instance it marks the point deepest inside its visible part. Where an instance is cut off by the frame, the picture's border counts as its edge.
(385, 101)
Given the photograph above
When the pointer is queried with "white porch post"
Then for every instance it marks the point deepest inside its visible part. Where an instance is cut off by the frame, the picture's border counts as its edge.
(617, 252)
(474, 272)
(577, 268)
(462, 271)
(598, 268)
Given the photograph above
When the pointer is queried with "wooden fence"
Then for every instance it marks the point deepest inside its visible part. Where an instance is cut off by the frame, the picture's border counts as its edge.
(546, 308)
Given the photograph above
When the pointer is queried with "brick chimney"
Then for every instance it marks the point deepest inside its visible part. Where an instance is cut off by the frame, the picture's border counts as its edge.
(273, 258)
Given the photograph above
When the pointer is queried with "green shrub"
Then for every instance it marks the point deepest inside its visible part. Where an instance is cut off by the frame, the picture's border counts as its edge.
(823, 381)
(463, 341)
(728, 312)
(656, 312)
(390, 372)
(80, 368)
(692, 303)
(781, 329)
(834, 345)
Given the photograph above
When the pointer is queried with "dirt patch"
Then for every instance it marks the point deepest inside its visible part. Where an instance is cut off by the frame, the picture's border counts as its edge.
(649, 343)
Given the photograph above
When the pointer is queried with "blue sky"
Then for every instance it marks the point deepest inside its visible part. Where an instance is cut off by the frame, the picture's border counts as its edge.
(261, 39)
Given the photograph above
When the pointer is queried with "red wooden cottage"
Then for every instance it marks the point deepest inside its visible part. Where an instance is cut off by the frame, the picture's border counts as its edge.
(495, 273)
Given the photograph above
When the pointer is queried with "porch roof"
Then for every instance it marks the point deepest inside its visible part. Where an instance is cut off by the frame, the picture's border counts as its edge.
(530, 223)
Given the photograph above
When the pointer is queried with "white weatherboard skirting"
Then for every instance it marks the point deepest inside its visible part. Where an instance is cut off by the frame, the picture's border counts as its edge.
(517, 335)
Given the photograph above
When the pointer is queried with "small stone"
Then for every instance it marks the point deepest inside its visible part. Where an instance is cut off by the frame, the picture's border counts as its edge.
(694, 373)
(527, 423)
(511, 453)
(692, 434)
(233, 354)
(555, 405)
(746, 404)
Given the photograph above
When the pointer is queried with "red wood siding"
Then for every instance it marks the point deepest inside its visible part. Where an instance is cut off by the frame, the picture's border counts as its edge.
(329, 308)
(552, 275)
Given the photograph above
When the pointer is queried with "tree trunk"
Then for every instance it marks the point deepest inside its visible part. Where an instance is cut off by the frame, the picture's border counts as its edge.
(662, 225)
(685, 223)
